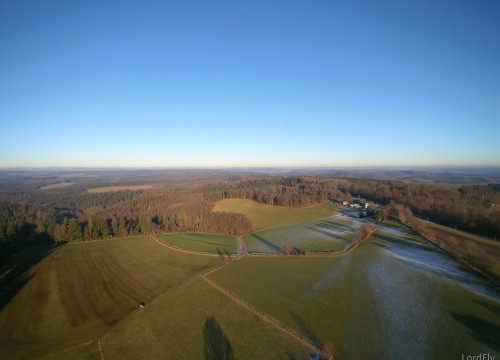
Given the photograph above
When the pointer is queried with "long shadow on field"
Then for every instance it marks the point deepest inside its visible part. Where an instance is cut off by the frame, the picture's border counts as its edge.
(217, 345)
(305, 329)
(491, 307)
(266, 242)
(336, 236)
(334, 226)
(200, 241)
(17, 273)
(424, 257)
(481, 330)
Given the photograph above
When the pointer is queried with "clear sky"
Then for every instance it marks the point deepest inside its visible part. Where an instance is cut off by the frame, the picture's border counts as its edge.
(249, 83)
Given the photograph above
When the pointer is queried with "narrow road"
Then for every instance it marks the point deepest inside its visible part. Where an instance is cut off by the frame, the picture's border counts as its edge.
(241, 245)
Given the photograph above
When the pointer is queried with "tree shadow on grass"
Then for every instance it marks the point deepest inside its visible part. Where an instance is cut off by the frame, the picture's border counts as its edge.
(187, 239)
(15, 273)
(330, 225)
(267, 242)
(490, 306)
(481, 330)
(217, 345)
(308, 332)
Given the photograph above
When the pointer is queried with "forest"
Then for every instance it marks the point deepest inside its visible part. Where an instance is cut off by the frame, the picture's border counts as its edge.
(33, 213)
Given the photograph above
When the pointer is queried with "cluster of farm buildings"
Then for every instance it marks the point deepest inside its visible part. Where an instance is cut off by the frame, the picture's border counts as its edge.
(356, 204)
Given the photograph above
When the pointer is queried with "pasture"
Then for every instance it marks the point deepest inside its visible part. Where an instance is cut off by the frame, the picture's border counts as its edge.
(268, 216)
(212, 243)
(177, 326)
(395, 296)
(119, 188)
(330, 234)
(79, 291)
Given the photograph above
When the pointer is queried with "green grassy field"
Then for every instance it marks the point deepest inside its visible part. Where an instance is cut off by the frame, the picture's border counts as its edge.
(80, 291)
(395, 296)
(212, 243)
(267, 216)
(55, 186)
(329, 234)
(173, 328)
(119, 188)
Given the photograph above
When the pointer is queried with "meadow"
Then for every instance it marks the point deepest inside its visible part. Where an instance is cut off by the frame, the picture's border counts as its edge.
(212, 243)
(268, 216)
(119, 188)
(77, 292)
(329, 234)
(395, 296)
(177, 326)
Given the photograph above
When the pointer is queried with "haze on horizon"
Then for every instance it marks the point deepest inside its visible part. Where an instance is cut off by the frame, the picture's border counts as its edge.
(223, 84)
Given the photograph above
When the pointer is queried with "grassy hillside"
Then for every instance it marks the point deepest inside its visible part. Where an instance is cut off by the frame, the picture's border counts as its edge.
(175, 327)
(80, 291)
(267, 216)
(202, 242)
(395, 296)
(479, 252)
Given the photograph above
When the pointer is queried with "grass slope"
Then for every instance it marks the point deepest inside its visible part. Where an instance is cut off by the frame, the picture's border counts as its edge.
(267, 216)
(395, 296)
(173, 328)
(212, 243)
(329, 234)
(480, 252)
(81, 290)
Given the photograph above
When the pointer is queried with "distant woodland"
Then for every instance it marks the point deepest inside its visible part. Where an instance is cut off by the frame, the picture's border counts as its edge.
(33, 213)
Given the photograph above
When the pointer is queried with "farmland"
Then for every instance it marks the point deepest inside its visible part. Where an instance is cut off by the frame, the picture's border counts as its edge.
(79, 291)
(119, 188)
(330, 234)
(267, 216)
(212, 243)
(173, 327)
(394, 295)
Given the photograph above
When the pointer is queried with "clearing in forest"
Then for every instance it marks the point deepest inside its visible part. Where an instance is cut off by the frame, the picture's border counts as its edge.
(56, 186)
(119, 188)
(267, 216)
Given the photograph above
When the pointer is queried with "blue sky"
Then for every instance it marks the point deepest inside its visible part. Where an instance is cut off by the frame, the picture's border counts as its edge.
(256, 83)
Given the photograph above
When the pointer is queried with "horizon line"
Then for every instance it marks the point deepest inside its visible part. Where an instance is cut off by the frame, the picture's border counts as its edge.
(282, 167)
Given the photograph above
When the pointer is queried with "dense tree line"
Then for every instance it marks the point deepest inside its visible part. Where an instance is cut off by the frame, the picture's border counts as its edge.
(471, 208)
(72, 214)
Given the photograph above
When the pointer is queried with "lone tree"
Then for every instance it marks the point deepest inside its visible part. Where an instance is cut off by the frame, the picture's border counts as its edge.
(365, 229)
(287, 248)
